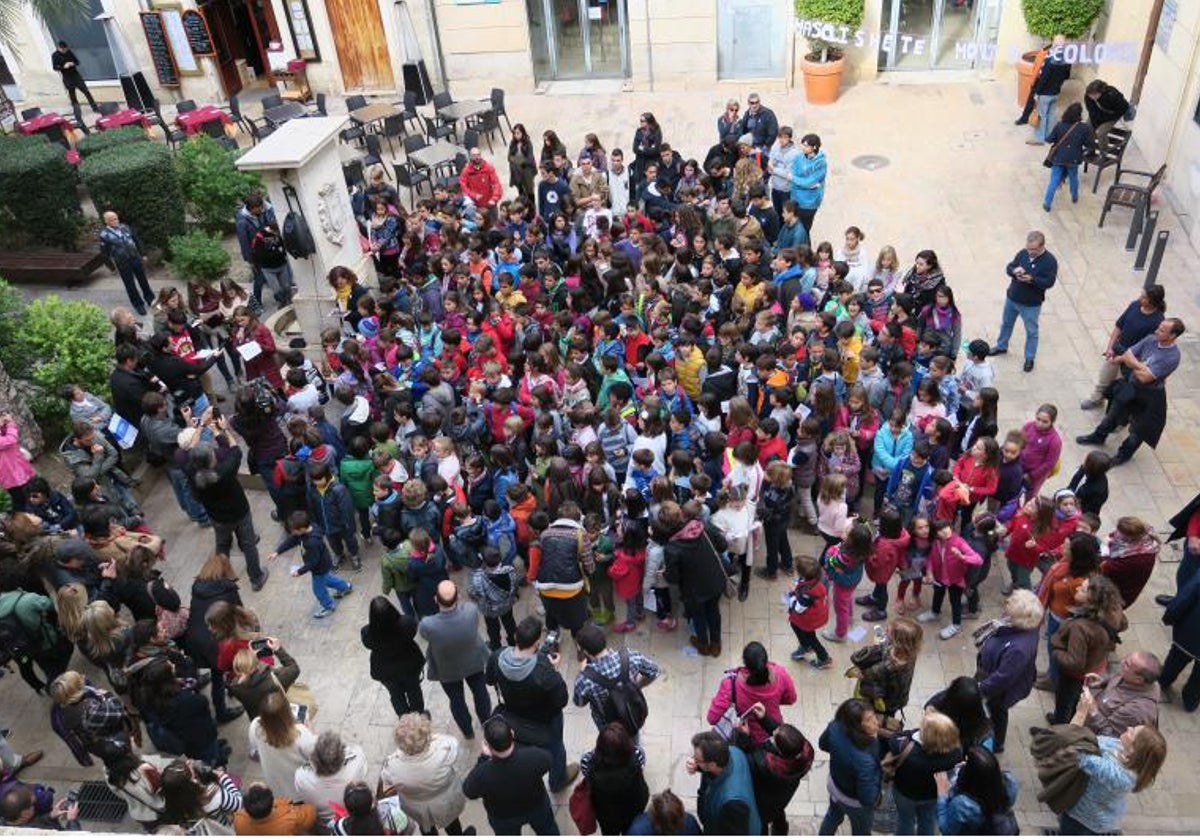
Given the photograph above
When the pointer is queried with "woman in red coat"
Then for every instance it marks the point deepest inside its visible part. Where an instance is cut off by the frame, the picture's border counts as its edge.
(248, 329)
(1132, 551)
(1040, 528)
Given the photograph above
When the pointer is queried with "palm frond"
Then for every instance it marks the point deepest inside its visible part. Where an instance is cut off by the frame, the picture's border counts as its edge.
(49, 12)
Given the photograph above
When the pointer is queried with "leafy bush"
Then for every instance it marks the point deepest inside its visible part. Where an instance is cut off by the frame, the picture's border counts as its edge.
(99, 141)
(37, 191)
(1073, 18)
(839, 13)
(50, 343)
(199, 256)
(139, 181)
(213, 186)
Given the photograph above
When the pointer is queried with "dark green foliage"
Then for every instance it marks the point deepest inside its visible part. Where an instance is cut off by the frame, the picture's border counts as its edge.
(37, 193)
(99, 141)
(139, 181)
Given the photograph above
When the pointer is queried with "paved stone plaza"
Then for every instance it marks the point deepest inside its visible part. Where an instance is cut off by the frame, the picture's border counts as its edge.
(959, 180)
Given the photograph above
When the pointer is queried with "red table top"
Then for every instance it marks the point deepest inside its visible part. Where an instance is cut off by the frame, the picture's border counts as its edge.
(41, 122)
(193, 121)
(125, 117)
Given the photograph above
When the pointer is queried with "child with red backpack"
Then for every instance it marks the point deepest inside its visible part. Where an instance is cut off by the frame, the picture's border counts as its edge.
(808, 610)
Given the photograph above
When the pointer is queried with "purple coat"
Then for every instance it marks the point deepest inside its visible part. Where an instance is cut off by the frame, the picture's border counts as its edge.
(1007, 665)
(1041, 453)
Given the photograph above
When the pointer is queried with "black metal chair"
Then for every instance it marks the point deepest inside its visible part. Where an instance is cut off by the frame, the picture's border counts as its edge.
(319, 109)
(448, 170)
(484, 124)
(393, 127)
(409, 114)
(235, 111)
(108, 108)
(271, 100)
(30, 113)
(414, 143)
(499, 109)
(1131, 194)
(436, 130)
(355, 101)
(374, 155)
(216, 130)
(1110, 153)
(185, 105)
(174, 136)
(354, 175)
(470, 139)
(258, 132)
(441, 100)
(412, 178)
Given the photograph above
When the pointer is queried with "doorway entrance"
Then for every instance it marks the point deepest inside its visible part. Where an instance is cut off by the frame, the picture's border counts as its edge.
(242, 31)
(577, 39)
(933, 34)
(750, 39)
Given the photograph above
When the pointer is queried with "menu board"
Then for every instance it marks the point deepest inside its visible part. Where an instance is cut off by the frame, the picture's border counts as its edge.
(181, 48)
(198, 35)
(160, 49)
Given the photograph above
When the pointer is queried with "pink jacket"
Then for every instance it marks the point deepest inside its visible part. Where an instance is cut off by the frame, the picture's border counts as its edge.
(947, 567)
(15, 468)
(1041, 453)
(778, 691)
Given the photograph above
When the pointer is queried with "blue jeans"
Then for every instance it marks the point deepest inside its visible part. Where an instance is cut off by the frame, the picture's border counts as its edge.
(321, 584)
(860, 819)
(183, 495)
(1029, 317)
(558, 754)
(540, 819)
(1057, 173)
(912, 813)
(1045, 109)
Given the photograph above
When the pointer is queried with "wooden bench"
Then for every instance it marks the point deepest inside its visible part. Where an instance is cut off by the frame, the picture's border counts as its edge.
(54, 267)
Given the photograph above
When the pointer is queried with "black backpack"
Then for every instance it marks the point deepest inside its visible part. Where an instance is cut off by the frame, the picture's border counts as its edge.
(267, 247)
(297, 238)
(624, 702)
(17, 643)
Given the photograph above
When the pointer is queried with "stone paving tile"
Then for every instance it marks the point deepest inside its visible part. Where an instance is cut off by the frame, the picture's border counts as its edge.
(961, 181)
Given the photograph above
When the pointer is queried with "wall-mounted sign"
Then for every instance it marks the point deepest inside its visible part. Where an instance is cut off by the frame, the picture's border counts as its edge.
(198, 34)
(160, 49)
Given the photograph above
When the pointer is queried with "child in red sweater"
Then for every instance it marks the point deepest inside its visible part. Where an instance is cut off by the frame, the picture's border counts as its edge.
(808, 610)
(626, 570)
(889, 551)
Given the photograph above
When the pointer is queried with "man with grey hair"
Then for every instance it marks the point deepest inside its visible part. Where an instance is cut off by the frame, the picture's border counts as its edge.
(760, 123)
(1126, 699)
(331, 766)
(1032, 272)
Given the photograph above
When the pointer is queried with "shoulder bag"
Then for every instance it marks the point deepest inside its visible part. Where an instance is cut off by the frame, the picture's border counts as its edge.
(726, 727)
(1049, 161)
(892, 761)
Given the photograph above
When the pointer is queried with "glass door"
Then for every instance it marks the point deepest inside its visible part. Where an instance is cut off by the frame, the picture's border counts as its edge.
(930, 35)
(577, 39)
(956, 35)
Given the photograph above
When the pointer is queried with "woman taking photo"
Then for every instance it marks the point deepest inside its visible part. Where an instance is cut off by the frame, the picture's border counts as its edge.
(614, 772)
(384, 227)
(758, 680)
(1125, 765)
(979, 799)
(252, 678)
(885, 670)
(920, 754)
(1082, 644)
(422, 773)
(1007, 659)
(281, 744)
(194, 792)
(854, 773)
(1071, 141)
(522, 165)
(396, 659)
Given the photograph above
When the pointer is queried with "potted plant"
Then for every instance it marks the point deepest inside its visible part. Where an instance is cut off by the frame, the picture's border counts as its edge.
(1047, 18)
(199, 257)
(824, 62)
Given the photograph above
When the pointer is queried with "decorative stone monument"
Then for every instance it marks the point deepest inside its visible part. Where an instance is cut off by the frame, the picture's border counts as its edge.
(303, 154)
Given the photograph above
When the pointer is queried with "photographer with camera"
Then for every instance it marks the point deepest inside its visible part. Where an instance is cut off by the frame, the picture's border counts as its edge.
(162, 434)
(183, 378)
(534, 695)
(256, 409)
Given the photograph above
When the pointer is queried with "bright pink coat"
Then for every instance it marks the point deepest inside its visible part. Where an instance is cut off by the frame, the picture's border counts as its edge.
(778, 691)
(626, 571)
(946, 567)
(15, 468)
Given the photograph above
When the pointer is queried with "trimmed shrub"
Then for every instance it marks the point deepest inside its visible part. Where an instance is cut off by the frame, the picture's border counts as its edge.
(50, 343)
(839, 13)
(199, 256)
(139, 181)
(1073, 18)
(99, 141)
(37, 192)
(212, 185)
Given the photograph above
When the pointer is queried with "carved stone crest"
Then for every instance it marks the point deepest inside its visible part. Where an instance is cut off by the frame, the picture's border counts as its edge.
(331, 211)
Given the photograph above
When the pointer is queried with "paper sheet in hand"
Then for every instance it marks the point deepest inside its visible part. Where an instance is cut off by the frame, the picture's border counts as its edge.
(250, 350)
(124, 431)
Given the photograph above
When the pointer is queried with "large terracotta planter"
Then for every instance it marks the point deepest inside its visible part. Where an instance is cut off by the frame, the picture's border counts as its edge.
(822, 80)
(1024, 77)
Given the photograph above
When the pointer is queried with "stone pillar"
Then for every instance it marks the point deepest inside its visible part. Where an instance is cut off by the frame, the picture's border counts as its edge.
(304, 154)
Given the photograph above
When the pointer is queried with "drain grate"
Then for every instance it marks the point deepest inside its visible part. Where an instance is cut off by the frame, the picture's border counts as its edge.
(98, 803)
(870, 162)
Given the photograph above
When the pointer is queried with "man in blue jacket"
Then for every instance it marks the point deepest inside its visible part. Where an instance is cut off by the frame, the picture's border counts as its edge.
(1032, 272)
(725, 803)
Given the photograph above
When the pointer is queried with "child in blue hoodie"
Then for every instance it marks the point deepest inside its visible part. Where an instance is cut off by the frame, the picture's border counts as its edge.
(318, 562)
(641, 472)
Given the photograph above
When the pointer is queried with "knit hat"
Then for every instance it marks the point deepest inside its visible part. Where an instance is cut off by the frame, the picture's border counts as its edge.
(746, 139)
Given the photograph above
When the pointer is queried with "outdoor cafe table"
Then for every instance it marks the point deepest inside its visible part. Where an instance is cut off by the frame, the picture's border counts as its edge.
(373, 113)
(194, 121)
(463, 110)
(124, 117)
(435, 153)
(282, 113)
(42, 122)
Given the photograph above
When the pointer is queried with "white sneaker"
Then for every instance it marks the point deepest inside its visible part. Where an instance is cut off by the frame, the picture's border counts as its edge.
(949, 631)
(831, 636)
(927, 616)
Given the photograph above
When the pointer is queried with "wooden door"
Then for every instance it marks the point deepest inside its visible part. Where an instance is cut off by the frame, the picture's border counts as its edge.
(361, 46)
(228, 44)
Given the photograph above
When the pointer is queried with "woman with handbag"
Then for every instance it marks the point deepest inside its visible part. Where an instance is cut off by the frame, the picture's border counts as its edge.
(912, 759)
(1072, 140)
(692, 561)
(758, 681)
(613, 774)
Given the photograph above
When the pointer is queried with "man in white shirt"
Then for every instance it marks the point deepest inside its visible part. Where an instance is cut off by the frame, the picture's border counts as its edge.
(618, 183)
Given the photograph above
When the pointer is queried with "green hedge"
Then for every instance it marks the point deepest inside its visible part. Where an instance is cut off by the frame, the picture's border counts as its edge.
(37, 189)
(139, 181)
(1073, 18)
(99, 141)
(213, 186)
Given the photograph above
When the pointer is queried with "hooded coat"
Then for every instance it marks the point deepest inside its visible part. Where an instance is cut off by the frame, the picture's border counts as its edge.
(1006, 665)
(693, 563)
